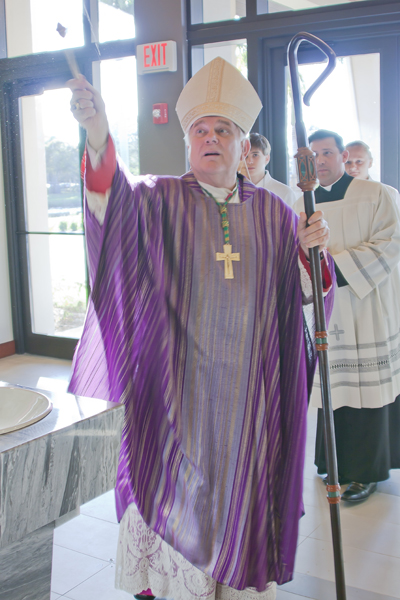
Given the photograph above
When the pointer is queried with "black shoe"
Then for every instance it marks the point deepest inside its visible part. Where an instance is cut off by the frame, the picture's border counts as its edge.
(143, 597)
(356, 492)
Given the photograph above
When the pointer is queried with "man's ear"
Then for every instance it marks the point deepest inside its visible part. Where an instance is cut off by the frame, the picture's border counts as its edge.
(245, 148)
(267, 159)
(345, 155)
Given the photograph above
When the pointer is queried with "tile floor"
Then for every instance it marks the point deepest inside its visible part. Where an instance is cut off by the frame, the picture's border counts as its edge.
(85, 547)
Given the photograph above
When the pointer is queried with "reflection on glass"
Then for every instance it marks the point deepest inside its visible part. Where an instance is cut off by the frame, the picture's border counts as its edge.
(57, 280)
(348, 102)
(119, 90)
(234, 51)
(209, 11)
(270, 6)
(116, 20)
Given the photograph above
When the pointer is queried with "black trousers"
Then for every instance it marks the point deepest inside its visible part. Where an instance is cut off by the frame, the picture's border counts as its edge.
(367, 442)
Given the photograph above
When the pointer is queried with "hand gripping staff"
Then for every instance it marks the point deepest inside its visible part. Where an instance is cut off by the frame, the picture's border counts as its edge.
(308, 183)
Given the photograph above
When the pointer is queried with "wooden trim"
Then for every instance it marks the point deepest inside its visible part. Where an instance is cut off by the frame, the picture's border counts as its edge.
(7, 349)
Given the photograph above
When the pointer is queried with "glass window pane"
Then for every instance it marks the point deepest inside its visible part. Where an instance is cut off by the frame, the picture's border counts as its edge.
(46, 14)
(119, 91)
(50, 138)
(57, 281)
(234, 51)
(209, 11)
(348, 103)
(53, 207)
(270, 6)
(116, 20)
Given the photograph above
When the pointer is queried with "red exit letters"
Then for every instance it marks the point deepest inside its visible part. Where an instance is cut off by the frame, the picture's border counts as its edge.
(158, 57)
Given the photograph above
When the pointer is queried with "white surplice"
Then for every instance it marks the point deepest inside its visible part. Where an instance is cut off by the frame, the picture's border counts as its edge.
(277, 187)
(364, 330)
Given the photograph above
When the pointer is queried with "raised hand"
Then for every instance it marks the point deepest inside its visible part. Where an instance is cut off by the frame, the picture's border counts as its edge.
(88, 108)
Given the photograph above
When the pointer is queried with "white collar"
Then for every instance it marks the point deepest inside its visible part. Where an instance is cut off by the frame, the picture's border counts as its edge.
(329, 187)
(220, 193)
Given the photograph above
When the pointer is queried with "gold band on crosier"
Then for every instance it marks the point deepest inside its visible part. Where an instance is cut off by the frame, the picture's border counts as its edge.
(321, 340)
(333, 493)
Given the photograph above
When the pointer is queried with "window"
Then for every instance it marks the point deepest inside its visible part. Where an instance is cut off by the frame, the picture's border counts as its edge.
(209, 11)
(270, 6)
(348, 103)
(234, 51)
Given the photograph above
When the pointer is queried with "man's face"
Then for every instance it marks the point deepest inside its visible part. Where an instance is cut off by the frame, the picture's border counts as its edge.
(330, 161)
(358, 162)
(215, 150)
(256, 162)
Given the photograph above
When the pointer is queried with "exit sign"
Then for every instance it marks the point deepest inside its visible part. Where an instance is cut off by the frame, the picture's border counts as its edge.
(156, 57)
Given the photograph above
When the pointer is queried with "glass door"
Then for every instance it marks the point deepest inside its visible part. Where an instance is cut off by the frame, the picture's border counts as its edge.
(50, 223)
(347, 103)
(46, 145)
(358, 100)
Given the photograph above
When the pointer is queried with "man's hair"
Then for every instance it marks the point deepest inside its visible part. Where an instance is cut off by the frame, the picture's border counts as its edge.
(321, 134)
(362, 144)
(259, 141)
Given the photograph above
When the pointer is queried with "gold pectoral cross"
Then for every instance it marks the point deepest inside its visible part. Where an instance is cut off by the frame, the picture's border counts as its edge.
(228, 257)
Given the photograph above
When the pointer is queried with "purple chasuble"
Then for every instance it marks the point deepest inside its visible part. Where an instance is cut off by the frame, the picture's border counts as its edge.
(213, 372)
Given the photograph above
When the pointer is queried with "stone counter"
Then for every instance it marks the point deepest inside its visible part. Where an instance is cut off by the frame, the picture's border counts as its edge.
(46, 471)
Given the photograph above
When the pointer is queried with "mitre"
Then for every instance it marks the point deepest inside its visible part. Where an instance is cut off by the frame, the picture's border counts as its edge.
(218, 90)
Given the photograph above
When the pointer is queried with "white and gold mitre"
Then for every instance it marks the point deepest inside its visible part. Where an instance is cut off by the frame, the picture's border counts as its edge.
(218, 90)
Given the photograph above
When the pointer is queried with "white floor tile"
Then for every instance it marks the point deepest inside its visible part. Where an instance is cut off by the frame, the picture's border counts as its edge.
(313, 518)
(366, 534)
(72, 568)
(282, 595)
(392, 485)
(300, 539)
(93, 537)
(99, 587)
(383, 507)
(26, 369)
(54, 596)
(101, 508)
(310, 470)
(364, 570)
(314, 494)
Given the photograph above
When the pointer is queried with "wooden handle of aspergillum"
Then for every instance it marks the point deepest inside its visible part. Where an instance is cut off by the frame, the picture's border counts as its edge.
(73, 65)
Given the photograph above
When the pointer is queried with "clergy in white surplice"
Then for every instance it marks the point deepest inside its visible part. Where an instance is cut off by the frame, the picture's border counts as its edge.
(364, 332)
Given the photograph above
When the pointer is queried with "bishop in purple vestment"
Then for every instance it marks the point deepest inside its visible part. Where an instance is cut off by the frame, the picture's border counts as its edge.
(195, 322)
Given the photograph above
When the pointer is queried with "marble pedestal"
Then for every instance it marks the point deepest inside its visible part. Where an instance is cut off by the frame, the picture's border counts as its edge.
(26, 566)
(46, 471)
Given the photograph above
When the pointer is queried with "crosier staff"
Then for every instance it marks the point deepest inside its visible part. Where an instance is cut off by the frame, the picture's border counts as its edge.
(308, 183)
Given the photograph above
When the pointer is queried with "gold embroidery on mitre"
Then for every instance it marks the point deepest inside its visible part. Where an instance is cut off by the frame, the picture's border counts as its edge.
(215, 80)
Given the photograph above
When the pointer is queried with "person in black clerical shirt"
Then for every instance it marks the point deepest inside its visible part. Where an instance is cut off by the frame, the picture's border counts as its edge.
(364, 341)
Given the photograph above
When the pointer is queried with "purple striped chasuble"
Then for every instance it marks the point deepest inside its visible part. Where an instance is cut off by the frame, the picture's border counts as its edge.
(213, 372)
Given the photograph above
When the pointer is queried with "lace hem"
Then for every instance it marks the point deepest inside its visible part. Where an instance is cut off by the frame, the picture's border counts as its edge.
(145, 561)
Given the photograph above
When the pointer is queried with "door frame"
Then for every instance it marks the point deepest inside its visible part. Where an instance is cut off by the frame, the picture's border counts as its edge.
(18, 75)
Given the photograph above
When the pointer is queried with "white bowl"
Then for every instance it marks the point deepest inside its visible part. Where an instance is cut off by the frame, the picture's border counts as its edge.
(20, 407)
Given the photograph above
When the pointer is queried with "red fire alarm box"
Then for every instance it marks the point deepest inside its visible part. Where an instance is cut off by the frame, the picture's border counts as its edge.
(160, 113)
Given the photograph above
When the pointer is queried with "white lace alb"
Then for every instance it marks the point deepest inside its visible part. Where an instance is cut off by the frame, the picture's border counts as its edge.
(145, 561)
